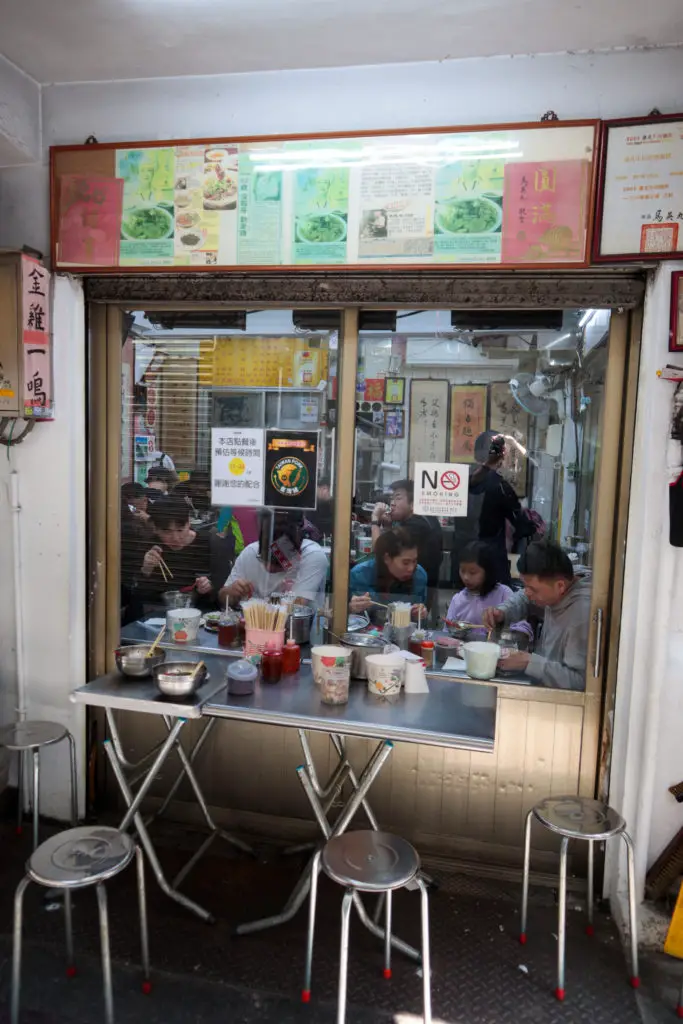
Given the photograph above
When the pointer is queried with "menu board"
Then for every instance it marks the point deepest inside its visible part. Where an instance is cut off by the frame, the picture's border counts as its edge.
(518, 195)
(264, 362)
(640, 201)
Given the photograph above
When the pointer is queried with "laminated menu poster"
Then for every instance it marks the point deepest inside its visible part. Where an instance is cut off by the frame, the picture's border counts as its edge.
(197, 226)
(396, 211)
(291, 474)
(90, 220)
(544, 217)
(148, 220)
(259, 232)
(469, 211)
(321, 213)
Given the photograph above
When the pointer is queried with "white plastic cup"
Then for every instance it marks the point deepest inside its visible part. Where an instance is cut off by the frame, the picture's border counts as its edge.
(183, 624)
(328, 656)
(385, 674)
(481, 659)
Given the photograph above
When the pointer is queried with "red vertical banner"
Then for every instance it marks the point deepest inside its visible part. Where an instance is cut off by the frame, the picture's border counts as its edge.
(35, 325)
(545, 212)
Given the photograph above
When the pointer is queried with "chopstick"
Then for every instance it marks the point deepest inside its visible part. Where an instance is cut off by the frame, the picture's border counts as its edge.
(379, 604)
(197, 669)
(163, 563)
(160, 567)
(150, 652)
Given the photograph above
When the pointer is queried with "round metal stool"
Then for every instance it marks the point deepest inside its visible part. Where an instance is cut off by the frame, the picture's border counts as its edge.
(25, 737)
(77, 859)
(374, 862)
(576, 817)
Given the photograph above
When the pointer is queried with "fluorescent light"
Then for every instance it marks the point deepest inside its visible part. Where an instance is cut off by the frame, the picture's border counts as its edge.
(587, 317)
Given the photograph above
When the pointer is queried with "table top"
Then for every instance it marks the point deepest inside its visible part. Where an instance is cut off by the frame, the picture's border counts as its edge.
(455, 714)
(123, 694)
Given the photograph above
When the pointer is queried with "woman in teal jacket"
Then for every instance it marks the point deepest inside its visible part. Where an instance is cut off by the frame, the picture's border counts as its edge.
(392, 574)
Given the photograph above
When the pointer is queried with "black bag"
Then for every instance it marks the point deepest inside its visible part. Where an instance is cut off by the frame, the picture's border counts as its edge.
(676, 512)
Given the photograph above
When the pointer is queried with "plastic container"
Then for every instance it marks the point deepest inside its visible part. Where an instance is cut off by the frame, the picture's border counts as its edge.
(183, 624)
(416, 641)
(427, 653)
(271, 664)
(257, 640)
(291, 658)
(228, 629)
(241, 676)
(334, 688)
(481, 659)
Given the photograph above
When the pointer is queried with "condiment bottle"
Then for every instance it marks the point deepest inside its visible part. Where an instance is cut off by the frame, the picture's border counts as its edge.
(227, 629)
(291, 658)
(427, 653)
(271, 665)
(416, 641)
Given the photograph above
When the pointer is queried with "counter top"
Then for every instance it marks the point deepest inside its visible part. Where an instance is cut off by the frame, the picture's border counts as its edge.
(454, 713)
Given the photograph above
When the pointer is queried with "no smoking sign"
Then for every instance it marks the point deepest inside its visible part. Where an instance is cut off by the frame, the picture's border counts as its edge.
(441, 488)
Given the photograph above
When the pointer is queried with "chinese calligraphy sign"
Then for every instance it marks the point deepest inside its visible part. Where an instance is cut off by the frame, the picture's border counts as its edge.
(35, 322)
(469, 405)
(544, 212)
(428, 421)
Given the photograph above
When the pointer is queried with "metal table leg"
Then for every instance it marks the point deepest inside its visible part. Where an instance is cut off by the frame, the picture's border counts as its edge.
(133, 814)
(300, 891)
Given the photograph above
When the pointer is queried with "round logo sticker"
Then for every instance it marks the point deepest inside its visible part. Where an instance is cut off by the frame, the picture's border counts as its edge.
(450, 480)
(289, 477)
(236, 467)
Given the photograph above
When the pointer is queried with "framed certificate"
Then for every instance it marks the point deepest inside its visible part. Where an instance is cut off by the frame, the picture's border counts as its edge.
(676, 330)
(639, 213)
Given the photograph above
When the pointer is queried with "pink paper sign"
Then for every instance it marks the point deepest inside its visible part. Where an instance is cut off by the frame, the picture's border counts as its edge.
(545, 212)
(35, 304)
(38, 382)
(90, 221)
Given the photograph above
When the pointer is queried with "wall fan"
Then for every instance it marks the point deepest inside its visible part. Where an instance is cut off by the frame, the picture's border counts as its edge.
(533, 391)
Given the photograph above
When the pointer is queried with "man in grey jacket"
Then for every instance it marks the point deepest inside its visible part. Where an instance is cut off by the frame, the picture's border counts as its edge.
(551, 584)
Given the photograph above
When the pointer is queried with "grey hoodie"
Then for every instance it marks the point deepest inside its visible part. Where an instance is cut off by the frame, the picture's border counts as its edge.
(561, 659)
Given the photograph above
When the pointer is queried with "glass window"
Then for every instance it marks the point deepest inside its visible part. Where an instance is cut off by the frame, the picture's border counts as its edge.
(515, 401)
(227, 462)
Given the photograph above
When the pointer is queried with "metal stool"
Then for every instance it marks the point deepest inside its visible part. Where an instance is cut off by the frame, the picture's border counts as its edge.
(374, 862)
(31, 736)
(76, 859)
(576, 817)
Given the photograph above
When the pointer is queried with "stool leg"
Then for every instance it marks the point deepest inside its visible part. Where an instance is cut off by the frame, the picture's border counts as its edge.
(525, 876)
(312, 899)
(36, 795)
(344, 955)
(562, 920)
(68, 922)
(74, 790)
(387, 934)
(106, 959)
(589, 895)
(632, 911)
(20, 791)
(142, 904)
(16, 947)
(426, 956)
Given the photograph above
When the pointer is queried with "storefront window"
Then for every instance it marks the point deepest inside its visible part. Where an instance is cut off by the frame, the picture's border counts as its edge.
(227, 462)
(515, 403)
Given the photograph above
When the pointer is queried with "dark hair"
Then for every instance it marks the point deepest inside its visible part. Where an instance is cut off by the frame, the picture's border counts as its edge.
(164, 476)
(489, 445)
(131, 491)
(392, 543)
(405, 485)
(547, 560)
(273, 524)
(169, 512)
(482, 555)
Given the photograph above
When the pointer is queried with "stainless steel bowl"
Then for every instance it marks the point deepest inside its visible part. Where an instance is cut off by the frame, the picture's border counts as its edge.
(177, 678)
(176, 599)
(135, 662)
(361, 645)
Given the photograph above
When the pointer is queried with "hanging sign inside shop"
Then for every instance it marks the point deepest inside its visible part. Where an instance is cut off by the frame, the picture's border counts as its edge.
(640, 198)
(441, 488)
(35, 322)
(237, 466)
(291, 478)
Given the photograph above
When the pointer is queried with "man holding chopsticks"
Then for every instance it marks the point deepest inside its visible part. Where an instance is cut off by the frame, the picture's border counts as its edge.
(179, 558)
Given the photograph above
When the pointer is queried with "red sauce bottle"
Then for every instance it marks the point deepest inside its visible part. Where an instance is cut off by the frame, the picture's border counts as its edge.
(271, 665)
(428, 653)
(291, 658)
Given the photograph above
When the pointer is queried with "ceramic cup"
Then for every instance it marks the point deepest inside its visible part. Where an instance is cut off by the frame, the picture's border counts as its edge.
(385, 674)
(328, 656)
(183, 624)
(481, 659)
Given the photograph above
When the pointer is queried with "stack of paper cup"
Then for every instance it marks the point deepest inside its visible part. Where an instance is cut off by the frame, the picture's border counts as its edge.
(415, 673)
(385, 674)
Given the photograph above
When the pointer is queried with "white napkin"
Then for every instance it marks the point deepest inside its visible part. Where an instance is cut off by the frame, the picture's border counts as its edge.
(456, 664)
(154, 623)
(415, 679)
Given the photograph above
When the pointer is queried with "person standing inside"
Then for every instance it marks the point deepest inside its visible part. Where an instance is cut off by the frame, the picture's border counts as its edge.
(425, 531)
